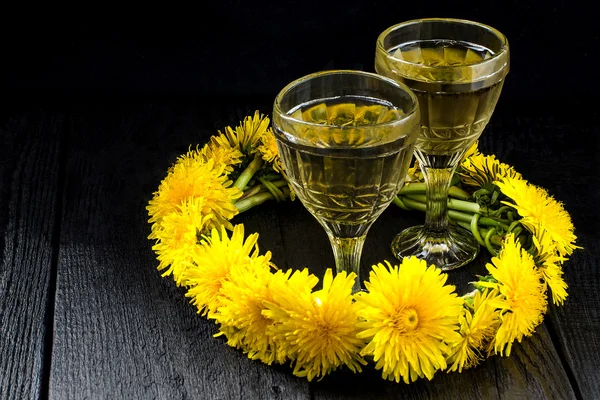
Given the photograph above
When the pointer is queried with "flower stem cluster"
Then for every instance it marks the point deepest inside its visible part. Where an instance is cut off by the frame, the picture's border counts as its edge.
(409, 322)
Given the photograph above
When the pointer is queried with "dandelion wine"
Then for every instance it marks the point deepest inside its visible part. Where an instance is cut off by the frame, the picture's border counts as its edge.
(343, 168)
(454, 108)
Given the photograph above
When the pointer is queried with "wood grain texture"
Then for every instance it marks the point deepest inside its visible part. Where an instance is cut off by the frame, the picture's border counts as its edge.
(524, 375)
(534, 370)
(29, 189)
(576, 325)
(561, 153)
(121, 331)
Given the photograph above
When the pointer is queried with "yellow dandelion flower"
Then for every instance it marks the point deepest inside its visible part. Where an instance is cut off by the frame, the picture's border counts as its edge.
(553, 276)
(248, 134)
(549, 262)
(478, 323)
(177, 237)
(240, 314)
(317, 330)
(413, 174)
(268, 150)
(191, 177)
(519, 281)
(220, 151)
(410, 318)
(289, 285)
(540, 211)
(473, 150)
(213, 260)
(484, 170)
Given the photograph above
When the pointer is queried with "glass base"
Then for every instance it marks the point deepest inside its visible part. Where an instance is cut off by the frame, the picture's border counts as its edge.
(447, 250)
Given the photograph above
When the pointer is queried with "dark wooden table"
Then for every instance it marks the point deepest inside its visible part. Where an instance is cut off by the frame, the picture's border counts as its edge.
(85, 314)
(92, 113)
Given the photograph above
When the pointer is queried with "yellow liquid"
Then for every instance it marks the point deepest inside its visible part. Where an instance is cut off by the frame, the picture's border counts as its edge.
(451, 120)
(346, 177)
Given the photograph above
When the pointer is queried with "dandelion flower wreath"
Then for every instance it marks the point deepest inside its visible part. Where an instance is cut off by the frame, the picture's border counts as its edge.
(409, 322)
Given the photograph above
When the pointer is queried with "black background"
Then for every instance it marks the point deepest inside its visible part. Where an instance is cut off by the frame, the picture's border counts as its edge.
(253, 48)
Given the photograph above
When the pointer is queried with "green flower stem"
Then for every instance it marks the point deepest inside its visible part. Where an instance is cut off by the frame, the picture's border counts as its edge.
(499, 211)
(495, 239)
(413, 204)
(249, 172)
(468, 297)
(251, 192)
(513, 225)
(477, 285)
(475, 230)
(280, 183)
(517, 231)
(271, 177)
(398, 201)
(453, 204)
(462, 205)
(421, 188)
(274, 190)
(458, 216)
(458, 193)
(261, 188)
(492, 222)
(459, 210)
(452, 214)
(421, 206)
(421, 198)
(247, 203)
(417, 187)
(488, 243)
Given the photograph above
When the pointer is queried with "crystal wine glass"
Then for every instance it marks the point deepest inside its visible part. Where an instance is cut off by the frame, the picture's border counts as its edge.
(456, 69)
(346, 139)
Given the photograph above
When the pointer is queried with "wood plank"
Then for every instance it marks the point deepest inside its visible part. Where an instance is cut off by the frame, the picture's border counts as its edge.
(29, 192)
(534, 370)
(576, 325)
(122, 331)
(569, 150)
(152, 341)
(524, 375)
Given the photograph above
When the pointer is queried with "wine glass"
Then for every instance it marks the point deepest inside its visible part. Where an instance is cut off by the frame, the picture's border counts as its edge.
(456, 69)
(346, 139)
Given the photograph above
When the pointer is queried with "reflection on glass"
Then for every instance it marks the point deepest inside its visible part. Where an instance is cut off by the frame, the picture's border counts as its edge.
(456, 69)
(346, 139)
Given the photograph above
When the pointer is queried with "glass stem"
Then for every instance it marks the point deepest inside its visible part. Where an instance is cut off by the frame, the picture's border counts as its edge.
(347, 252)
(438, 183)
